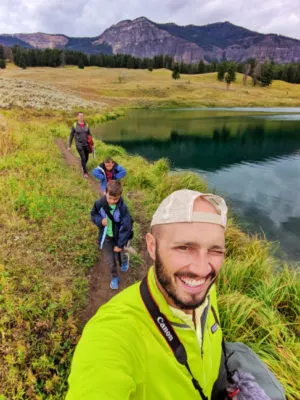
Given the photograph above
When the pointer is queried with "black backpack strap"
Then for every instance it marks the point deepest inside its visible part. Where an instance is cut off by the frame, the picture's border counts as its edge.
(167, 331)
(229, 373)
(104, 204)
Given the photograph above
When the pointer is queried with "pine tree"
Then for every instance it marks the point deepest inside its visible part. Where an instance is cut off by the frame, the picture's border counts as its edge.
(130, 62)
(221, 71)
(2, 58)
(176, 73)
(298, 74)
(266, 74)
(201, 67)
(230, 75)
(22, 62)
(81, 63)
(1, 52)
(150, 65)
(213, 66)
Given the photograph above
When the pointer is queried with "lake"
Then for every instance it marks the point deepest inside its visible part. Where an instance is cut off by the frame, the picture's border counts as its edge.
(250, 156)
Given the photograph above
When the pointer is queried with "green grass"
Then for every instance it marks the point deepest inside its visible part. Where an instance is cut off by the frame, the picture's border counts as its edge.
(48, 245)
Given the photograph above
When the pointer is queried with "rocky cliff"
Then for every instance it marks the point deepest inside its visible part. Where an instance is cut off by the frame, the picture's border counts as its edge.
(142, 38)
(43, 40)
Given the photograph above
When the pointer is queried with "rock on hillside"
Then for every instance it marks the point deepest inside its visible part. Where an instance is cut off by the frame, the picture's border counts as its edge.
(43, 41)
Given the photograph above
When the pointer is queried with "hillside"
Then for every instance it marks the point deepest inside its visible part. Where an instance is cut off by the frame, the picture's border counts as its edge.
(129, 87)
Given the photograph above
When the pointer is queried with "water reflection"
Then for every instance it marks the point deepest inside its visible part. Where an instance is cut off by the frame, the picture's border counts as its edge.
(267, 196)
(223, 148)
(252, 157)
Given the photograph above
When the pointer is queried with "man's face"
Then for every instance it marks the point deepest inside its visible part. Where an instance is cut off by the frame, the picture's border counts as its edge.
(187, 259)
(109, 165)
(80, 117)
(112, 199)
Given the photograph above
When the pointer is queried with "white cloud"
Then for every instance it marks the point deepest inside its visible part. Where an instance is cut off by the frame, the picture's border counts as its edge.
(92, 17)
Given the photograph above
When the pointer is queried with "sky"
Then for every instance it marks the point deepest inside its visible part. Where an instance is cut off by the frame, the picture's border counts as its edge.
(88, 18)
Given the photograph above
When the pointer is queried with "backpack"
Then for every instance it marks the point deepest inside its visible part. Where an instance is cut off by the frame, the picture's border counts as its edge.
(90, 143)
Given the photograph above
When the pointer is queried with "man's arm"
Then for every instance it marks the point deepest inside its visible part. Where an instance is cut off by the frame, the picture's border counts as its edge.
(71, 137)
(125, 227)
(98, 173)
(121, 172)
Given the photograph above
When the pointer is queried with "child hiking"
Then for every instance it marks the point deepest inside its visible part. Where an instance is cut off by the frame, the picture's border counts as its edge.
(111, 215)
(83, 140)
(107, 171)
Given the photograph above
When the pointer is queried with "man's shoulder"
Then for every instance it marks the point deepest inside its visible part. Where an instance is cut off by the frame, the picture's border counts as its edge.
(75, 124)
(126, 306)
(121, 319)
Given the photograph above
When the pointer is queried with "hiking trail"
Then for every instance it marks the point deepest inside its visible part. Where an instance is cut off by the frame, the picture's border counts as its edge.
(99, 276)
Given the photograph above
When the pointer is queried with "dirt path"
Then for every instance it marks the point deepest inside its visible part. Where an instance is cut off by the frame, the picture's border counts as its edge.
(99, 276)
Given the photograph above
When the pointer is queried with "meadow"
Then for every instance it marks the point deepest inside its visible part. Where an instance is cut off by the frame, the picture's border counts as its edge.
(123, 87)
(48, 244)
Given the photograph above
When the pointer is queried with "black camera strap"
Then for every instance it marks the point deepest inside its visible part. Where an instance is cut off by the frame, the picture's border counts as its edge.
(167, 331)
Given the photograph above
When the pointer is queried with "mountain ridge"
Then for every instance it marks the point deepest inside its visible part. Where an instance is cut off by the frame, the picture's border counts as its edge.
(142, 37)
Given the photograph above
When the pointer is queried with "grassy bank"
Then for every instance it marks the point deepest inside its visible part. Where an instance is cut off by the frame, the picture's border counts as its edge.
(48, 245)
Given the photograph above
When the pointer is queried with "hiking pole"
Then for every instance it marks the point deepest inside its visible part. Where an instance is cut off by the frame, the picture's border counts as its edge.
(103, 237)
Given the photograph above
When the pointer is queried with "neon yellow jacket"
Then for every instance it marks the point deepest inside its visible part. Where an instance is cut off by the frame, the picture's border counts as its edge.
(122, 355)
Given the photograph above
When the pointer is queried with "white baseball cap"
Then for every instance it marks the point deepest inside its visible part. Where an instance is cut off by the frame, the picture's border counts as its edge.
(178, 207)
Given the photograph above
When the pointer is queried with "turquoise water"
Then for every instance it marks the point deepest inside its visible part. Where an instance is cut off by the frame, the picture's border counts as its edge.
(251, 156)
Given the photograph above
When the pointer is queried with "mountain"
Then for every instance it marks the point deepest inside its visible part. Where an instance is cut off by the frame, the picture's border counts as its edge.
(43, 41)
(143, 38)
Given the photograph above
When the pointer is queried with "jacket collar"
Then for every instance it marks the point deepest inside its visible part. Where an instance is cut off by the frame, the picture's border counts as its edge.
(103, 202)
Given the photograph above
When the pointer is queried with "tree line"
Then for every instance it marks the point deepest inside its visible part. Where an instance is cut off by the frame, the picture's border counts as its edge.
(261, 73)
(59, 58)
(2, 58)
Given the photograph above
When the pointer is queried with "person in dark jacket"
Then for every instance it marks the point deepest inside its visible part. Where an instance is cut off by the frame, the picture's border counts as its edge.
(107, 171)
(81, 132)
(111, 215)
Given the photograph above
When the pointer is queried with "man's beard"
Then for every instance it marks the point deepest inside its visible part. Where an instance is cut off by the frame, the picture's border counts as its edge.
(166, 283)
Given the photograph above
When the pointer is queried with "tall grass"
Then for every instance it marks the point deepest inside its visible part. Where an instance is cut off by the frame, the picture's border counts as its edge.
(6, 137)
(46, 247)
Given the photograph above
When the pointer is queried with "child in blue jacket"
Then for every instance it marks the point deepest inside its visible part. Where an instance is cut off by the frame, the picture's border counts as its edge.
(107, 171)
(113, 219)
